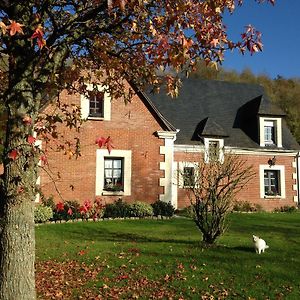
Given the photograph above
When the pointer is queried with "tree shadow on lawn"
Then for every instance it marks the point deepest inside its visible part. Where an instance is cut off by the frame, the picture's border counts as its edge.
(243, 249)
(112, 236)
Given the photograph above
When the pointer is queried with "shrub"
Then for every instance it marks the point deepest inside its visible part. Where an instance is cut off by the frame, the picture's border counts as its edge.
(286, 208)
(49, 202)
(141, 210)
(42, 213)
(163, 208)
(185, 212)
(245, 206)
(118, 209)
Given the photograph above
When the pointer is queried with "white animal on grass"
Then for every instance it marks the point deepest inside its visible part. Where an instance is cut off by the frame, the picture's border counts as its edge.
(259, 244)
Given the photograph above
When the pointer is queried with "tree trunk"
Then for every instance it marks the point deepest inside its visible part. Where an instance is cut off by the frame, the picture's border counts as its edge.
(17, 246)
(17, 195)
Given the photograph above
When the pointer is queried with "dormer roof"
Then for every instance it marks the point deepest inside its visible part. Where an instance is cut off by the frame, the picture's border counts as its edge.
(209, 128)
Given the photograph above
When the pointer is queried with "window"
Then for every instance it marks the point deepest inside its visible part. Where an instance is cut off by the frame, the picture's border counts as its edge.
(188, 176)
(96, 104)
(271, 182)
(214, 150)
(113, 174)
(269, 132)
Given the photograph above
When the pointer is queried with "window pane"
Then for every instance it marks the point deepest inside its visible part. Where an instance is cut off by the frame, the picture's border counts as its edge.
(108, 163)
(96, 104)
(113, 174)
(108, 173)
(271, 182)
(188, 176)
(117, 163)
(117, 173)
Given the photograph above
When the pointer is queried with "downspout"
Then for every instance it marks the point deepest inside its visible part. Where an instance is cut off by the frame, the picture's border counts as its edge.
(298, 176)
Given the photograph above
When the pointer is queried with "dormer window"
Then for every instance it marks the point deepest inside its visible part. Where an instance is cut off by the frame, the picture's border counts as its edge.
(270, 132)
(214, 150)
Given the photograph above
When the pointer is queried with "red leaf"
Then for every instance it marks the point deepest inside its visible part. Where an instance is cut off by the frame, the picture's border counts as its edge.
(44, 159)
(81, 252)
(101, 141)
(15, 27)
(60, 206)
(109, 144)
(39, 35)
(31, 139)
(70, 211)
(13, 154)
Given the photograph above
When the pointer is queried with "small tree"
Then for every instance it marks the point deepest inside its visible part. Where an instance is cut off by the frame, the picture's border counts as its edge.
(212, 187)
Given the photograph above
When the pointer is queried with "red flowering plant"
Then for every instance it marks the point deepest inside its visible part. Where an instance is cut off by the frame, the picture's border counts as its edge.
(89, 210)
(68, 210)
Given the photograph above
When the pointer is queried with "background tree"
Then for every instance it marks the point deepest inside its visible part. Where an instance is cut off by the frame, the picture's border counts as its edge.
(212, 187)
(141, 41)
(282, 91)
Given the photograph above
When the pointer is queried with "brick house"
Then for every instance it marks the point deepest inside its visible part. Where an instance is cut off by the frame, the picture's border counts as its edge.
(154, 137)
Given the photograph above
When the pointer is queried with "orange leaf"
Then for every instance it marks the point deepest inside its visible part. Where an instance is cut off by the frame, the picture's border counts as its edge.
(15, 27)
(27, 120)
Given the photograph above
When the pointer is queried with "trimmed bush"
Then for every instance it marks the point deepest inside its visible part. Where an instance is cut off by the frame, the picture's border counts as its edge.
(118, 209)
(141, 210)
(161, 208)
(42, 213)
(286, 208)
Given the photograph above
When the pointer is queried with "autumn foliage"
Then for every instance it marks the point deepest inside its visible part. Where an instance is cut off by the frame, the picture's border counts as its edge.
(49, 46)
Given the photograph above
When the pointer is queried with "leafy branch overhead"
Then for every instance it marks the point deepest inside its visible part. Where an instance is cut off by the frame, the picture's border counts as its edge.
(53, 46)
(121, 39)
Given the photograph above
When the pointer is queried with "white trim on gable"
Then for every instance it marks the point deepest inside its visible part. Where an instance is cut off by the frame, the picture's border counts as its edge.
(85, 105)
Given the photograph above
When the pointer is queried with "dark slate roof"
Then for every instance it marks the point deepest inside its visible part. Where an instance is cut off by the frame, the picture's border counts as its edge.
(220, 109)
(209, 128)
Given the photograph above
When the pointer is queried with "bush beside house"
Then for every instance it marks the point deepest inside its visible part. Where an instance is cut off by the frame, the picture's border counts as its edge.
(72, 210)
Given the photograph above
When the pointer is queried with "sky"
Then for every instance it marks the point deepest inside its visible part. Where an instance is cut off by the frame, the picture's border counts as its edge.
(280, 28)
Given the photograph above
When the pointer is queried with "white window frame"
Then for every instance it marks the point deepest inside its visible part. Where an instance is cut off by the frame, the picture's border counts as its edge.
(207, 142)
(181, 166)
(101, 154)
(85, 104)
(274, 122)
(281, 182)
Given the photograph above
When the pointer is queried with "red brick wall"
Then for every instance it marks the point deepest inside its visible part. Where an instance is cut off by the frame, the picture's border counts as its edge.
(131, 127)
(251, 191)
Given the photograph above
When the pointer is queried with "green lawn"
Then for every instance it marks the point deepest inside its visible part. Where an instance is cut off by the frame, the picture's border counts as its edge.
(164, 259)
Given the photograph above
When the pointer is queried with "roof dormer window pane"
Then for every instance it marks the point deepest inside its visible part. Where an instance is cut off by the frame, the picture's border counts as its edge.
(269, 132)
